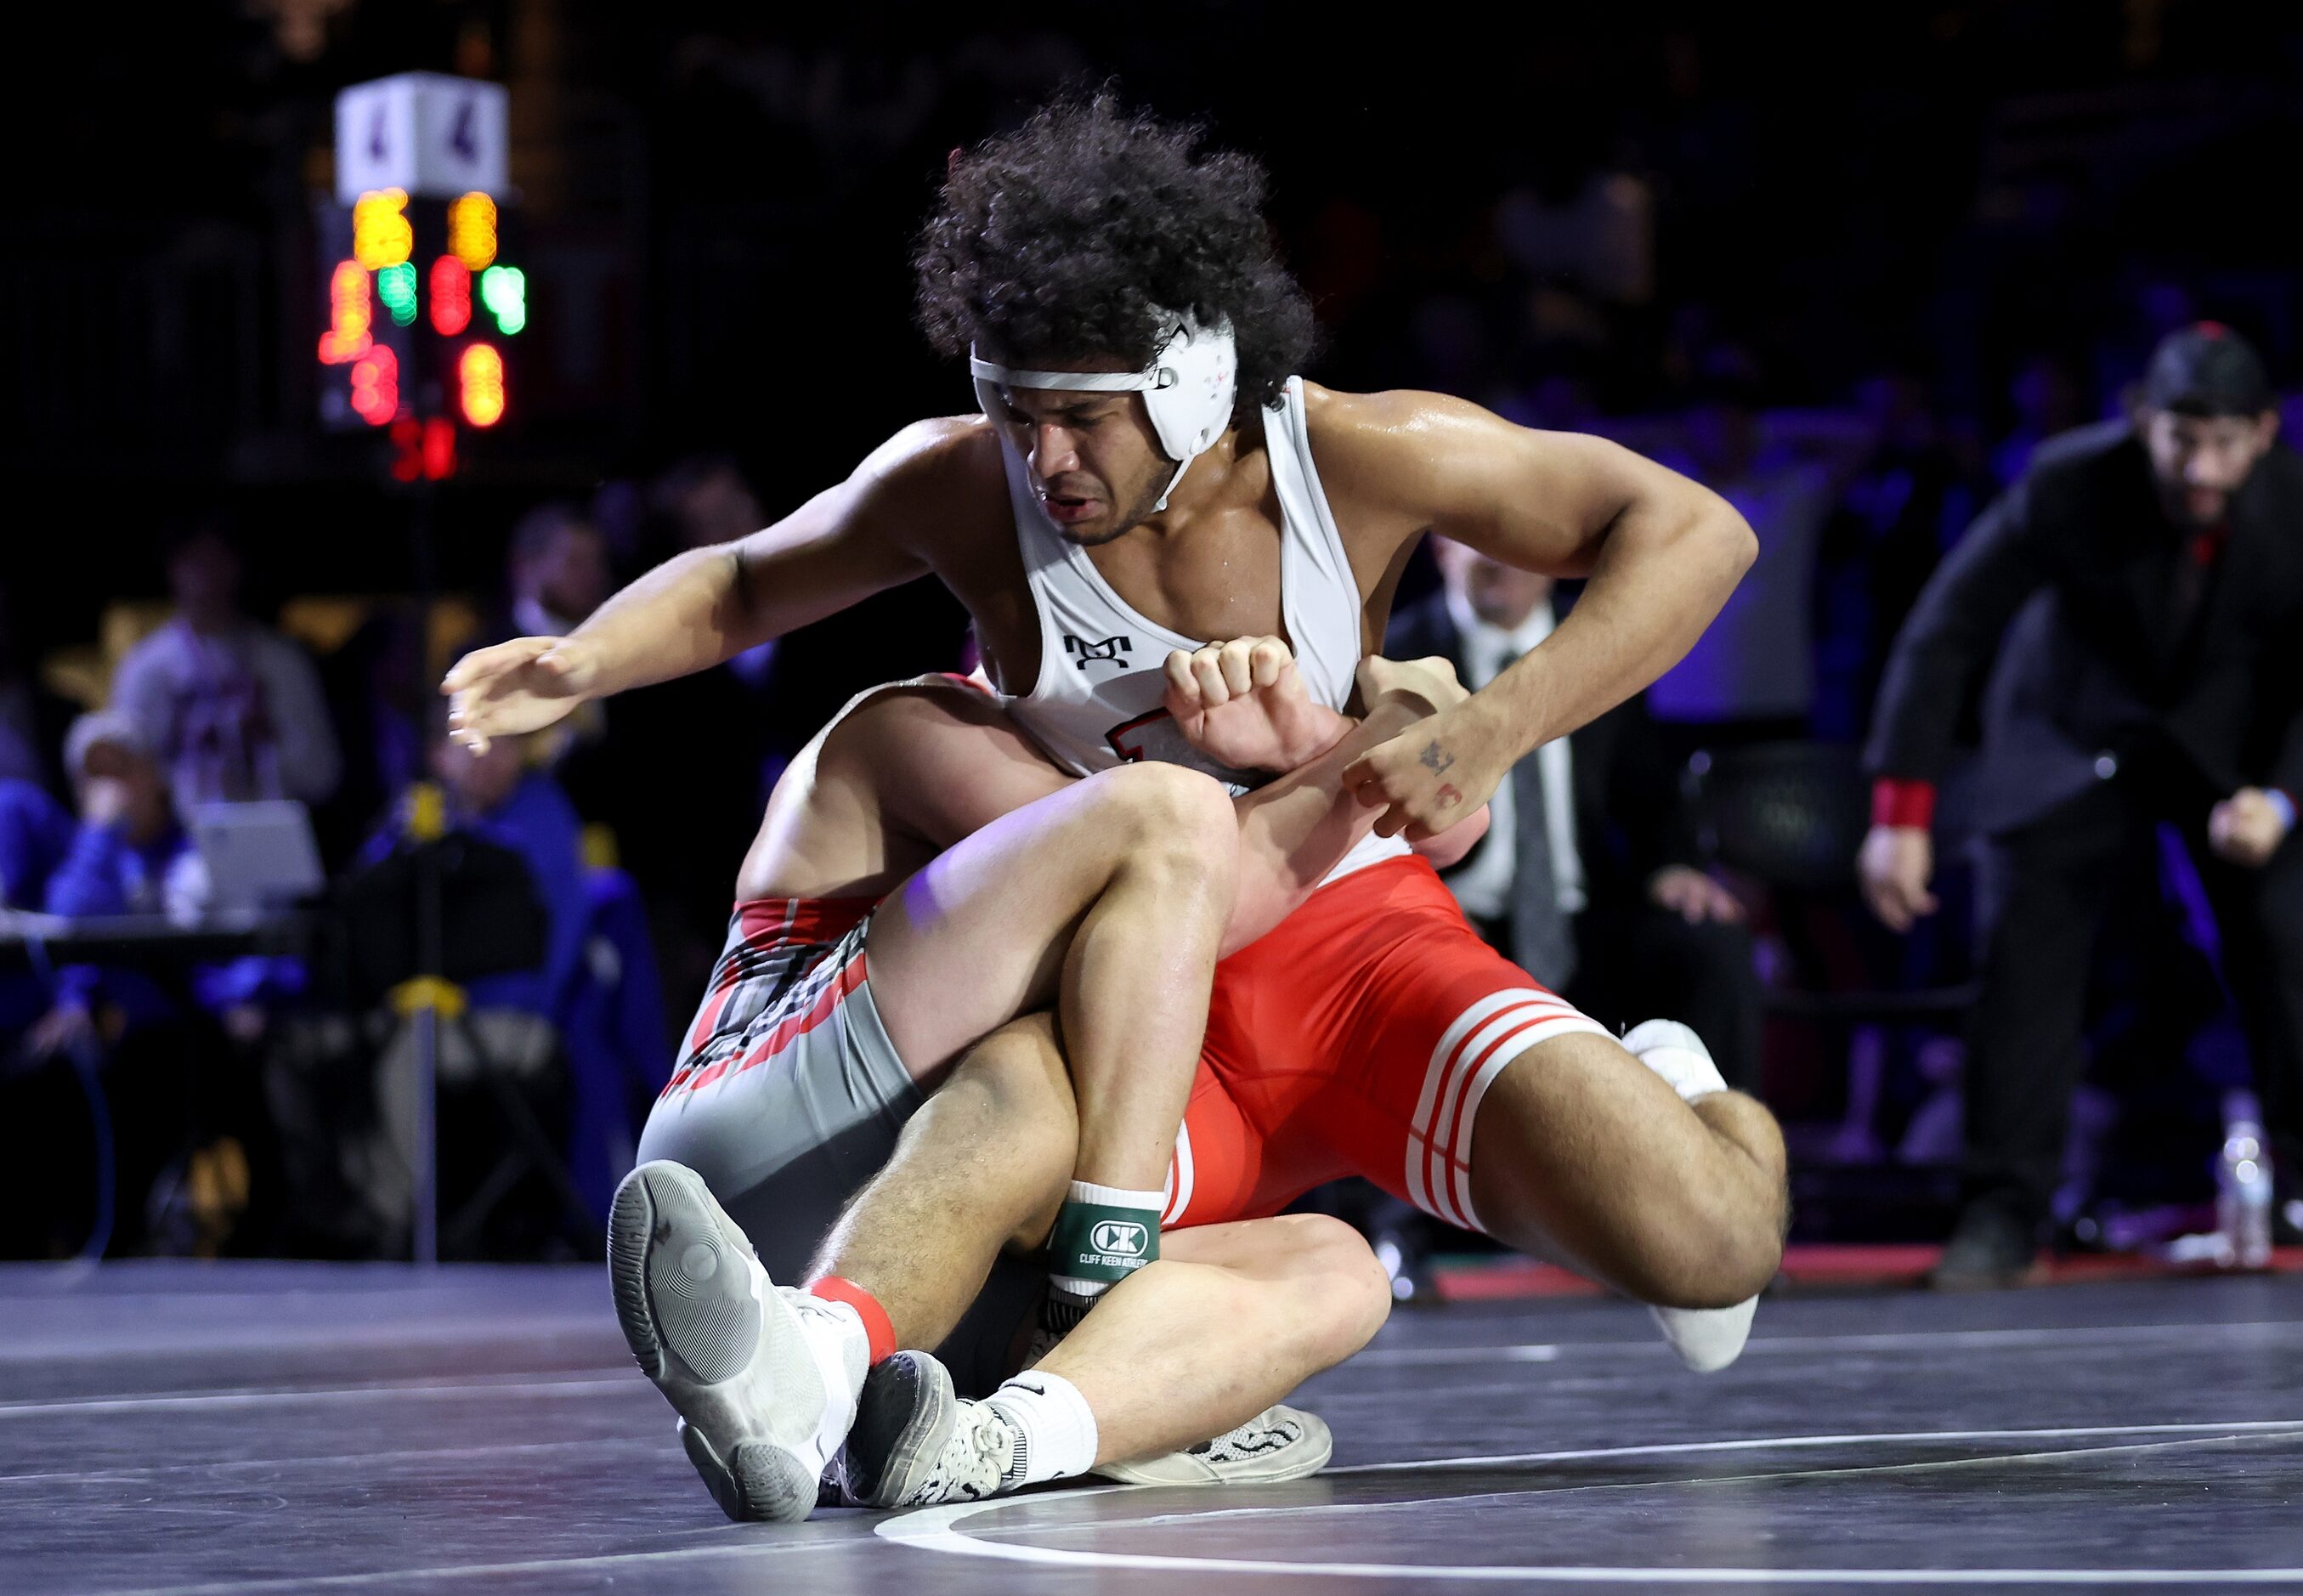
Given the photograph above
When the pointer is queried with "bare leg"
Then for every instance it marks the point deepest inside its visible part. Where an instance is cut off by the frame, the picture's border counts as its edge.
(1580, 1148)
(983, 1164)
(1229, 1321)
(1108, 900)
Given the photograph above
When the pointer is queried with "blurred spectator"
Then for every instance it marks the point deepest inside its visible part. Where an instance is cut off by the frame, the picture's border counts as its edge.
(232, 709)
(1751, 675)
(2047, 400)
(704, 500)
(558, 572)
(2145, 576)
(35, 831)
(701, 501)
(379, 704)
(502, 796)
(129, 853)
(593, 1003)
(1558, 400)
(31, 718)
(1904, 505)
(1588, 876)
(681, 838)
(182, 1097)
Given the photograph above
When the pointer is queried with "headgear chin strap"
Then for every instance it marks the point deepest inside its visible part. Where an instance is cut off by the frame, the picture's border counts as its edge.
(1188, 388)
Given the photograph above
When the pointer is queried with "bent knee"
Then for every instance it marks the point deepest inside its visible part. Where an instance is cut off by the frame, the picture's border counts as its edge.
(1711, 1265)
(1348, 1295)
(1166, 805)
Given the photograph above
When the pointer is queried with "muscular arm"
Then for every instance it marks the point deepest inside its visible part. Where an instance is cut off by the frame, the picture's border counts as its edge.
(1661, 554)
(710, 604)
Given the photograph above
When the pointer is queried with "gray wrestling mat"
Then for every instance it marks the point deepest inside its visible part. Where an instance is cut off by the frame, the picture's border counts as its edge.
(173, 1427)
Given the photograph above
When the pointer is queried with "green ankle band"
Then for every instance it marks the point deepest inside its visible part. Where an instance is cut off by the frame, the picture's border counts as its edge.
(1096, 1241)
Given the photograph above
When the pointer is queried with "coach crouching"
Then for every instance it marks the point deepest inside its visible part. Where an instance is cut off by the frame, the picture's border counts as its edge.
(2138, 597)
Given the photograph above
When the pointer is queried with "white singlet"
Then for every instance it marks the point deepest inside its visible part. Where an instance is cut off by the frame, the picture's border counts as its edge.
(1098, 698)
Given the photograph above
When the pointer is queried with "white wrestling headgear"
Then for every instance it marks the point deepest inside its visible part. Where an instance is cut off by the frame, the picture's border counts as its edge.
(1188, 388)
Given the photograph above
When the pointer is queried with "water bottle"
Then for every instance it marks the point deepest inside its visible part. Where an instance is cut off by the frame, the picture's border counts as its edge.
(2243, 1185)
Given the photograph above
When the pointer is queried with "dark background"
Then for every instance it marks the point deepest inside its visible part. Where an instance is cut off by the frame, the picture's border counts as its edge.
(1949, 229)
(717, 202)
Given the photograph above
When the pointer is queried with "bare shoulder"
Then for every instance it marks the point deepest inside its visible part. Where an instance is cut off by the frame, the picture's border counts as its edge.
(1431, 454)
(937, 455)
(1399, 448)
(934, 485)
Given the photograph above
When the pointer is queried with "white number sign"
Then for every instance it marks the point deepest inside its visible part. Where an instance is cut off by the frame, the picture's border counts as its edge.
(434, 135)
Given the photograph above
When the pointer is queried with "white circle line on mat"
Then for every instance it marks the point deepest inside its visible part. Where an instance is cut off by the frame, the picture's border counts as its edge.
(933, 1529)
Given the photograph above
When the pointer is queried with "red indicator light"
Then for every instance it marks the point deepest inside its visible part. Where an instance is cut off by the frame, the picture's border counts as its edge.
(375, 385)
(451, 296)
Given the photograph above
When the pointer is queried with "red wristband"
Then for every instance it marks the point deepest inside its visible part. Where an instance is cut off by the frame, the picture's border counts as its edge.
(1902, 803)
(878, 1329)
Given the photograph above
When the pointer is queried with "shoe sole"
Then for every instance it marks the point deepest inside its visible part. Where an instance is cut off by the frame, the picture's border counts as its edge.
(1297, 1461)
(903, 1419)
(671, 1252)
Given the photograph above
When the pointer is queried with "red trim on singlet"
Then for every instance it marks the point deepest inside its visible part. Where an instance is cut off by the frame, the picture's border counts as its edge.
(771, 921)
(966, 681)
(850, 977)
(768, 923)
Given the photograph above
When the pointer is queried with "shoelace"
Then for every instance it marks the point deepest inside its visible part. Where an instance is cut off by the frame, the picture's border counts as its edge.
(995, 1444)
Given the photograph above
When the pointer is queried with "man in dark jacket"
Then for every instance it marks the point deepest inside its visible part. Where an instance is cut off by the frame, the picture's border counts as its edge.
(2137, 597)
(1589, 876)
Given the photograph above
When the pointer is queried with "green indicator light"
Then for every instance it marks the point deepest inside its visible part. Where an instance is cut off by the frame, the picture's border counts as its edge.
(503, 289)
(395, 285)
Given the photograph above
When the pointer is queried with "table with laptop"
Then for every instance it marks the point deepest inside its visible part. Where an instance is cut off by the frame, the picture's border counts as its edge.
(261, 861)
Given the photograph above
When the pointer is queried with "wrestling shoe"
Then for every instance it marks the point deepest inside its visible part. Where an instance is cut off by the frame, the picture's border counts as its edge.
(915, 1442)
(1707, 1340)
(763, 1378)
(1280, 1444)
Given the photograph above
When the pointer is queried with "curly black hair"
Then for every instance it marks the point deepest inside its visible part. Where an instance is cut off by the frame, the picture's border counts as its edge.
(1080, 233)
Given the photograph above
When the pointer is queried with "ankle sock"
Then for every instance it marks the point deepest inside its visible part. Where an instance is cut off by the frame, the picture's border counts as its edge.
(1055, 1432)
(1103, 1234)
(878, 1329)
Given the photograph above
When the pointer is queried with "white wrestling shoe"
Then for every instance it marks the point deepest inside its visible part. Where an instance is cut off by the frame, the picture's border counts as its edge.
(917, 1444)
(1707, 1340)
(1280, 1444)
(764, 1378)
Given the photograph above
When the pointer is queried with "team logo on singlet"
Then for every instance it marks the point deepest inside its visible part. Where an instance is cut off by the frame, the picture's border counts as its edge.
(1110, 650)
(1156, 736)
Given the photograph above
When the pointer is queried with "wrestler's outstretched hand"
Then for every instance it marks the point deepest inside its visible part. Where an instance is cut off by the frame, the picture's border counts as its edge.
(1243, 704)
(521, 685)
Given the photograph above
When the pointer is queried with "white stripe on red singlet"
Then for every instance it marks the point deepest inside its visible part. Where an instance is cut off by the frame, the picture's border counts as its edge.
(1471, 1053)
(1178, 1194)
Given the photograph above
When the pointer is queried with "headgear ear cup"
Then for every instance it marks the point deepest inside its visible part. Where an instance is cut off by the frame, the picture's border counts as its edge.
(1188, 389)
(1194, 378)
